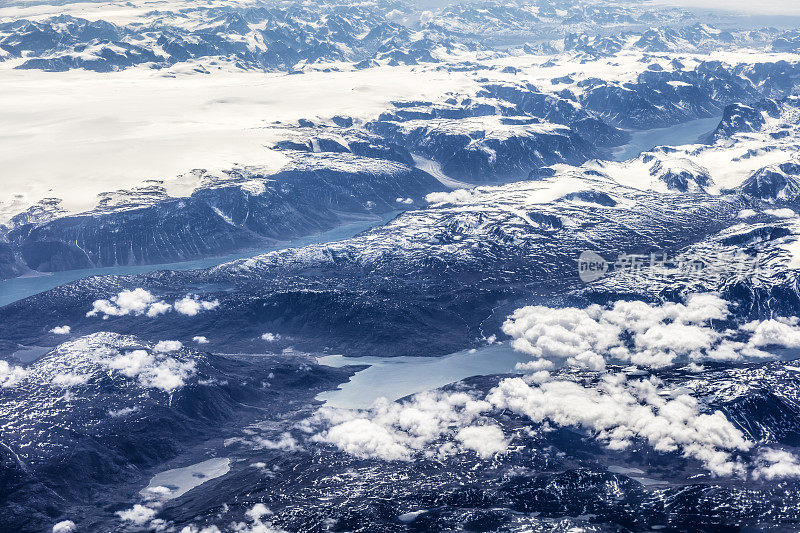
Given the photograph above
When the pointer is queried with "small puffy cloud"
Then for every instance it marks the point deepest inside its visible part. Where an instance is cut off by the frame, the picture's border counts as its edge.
(65, 526)
(775, 464)
(364, 438)
(61, 330)
(458, 196)
(138, 515)
(694, 368)
(775, 332)
(132, 363)
(257, 524)
(153, 370)
(485, 440)
(747, 213)
(618, 411)
(195, 529)
(406, 201)
(200, 339)
(157, 492)
(125, 411)
(270, 337)
(285, 442)
(168, 346)
(128, 302)
(191, 305)
(648, 335)
(258, 512)
(396, 431)
(11, 375)
(67, 381)
(395, 14)
(158, 308)
(138, 302)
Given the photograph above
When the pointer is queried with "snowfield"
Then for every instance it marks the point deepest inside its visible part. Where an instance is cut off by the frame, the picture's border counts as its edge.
(73, 135)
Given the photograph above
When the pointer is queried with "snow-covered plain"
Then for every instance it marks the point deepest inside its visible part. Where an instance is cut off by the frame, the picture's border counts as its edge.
(121, 12)
(765, 7)
(75, 134)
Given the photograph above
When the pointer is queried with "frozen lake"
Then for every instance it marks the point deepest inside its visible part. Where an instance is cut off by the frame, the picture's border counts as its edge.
(178, 481)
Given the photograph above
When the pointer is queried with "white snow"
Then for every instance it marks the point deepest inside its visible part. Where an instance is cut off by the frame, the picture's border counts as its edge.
(75, 134)
(764, 7)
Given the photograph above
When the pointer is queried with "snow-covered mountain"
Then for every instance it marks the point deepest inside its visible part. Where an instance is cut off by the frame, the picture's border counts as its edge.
(574, 289)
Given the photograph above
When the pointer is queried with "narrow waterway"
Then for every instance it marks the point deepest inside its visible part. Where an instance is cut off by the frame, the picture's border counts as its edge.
(15, 289)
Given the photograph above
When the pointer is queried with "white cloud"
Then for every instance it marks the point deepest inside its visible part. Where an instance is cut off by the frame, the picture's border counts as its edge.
(776, 464)
(168, 346)
(128, 302)
(256, 516)
(781, 213)
(618, 411)
(775, 332)
(485, 440)
(694, 368)
(125, 411)
(139, 302)
(138, 515)
(65, 526)
(396, 431)
(158, 308)
(458, 196)
(191, 305)
(200, 339)
(132, 363)
(258, 512)
(270, 337)
(285, 442)
(194, 529)
(364, 438)
(69, 380)
(650, 335)
(11, 375)
(153, 371)
(615, 410)
(157, 492)
(61, 330)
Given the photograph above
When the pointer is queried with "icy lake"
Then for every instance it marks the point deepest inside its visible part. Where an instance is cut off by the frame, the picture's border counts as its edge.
(680, 134)
(178, 481)
(396, 377)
